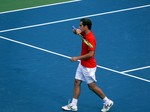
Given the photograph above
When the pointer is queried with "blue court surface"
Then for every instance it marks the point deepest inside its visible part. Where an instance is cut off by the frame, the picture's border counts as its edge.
(36, 44)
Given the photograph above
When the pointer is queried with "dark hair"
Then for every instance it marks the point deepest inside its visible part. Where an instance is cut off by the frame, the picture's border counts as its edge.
(86, 21)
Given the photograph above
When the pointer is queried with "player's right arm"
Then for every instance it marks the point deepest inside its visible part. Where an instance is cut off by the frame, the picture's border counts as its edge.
(83, 57)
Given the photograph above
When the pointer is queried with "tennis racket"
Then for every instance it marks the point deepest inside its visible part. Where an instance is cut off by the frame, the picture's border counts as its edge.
(84, 40)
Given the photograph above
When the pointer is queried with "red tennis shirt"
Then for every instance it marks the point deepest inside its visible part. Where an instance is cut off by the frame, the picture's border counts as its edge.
(90, 62)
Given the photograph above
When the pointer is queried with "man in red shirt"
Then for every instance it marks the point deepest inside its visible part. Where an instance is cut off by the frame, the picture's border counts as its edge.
(87, 68)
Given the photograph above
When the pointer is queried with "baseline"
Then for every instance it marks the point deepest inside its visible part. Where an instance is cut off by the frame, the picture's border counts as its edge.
(39, 6)
(71, 19)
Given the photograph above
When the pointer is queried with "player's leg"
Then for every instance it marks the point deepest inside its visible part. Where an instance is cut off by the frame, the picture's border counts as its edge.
(77, 88)
(107, 102)
(98, 91)
(91, 81)
(92, 86)
(73, 105)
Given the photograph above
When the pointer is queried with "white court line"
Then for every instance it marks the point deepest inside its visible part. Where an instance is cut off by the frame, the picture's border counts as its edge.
(70, 19)
(40, 6)
(122, 73)
(32, 46)
(141, 68)
(58, 54)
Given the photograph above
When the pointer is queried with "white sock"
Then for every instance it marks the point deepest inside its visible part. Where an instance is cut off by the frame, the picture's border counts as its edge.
(74, 102)
(105, 99)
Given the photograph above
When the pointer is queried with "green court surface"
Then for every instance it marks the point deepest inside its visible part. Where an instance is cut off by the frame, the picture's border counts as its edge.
(7, 5)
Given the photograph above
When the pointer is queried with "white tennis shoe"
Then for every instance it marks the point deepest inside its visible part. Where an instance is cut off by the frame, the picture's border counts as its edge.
(70, 107)
(107, 106)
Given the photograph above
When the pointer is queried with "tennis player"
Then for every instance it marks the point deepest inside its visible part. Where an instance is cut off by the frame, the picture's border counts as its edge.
(86, 68)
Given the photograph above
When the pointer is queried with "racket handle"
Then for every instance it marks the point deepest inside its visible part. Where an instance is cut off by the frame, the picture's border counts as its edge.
(74, 27)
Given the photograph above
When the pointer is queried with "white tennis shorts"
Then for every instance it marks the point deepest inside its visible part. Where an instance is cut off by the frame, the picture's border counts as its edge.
(85, 74)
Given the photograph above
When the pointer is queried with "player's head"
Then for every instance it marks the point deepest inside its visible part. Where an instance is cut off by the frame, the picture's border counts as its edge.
(86, 22)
